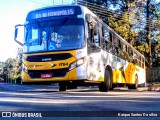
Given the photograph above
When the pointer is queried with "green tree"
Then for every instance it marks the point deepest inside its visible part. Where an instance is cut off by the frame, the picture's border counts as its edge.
(18, 66)
(7, 69)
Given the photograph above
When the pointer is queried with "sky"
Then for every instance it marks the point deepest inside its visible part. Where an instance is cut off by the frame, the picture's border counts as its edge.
(14, 12)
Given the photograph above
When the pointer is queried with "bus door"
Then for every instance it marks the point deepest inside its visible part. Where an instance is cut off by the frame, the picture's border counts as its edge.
(93, 47)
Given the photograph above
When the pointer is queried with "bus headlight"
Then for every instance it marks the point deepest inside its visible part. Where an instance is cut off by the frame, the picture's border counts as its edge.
(24, 68)
(77, 63)
(80, 61)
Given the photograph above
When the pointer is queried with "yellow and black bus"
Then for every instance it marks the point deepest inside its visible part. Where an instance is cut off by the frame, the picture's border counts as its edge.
(70, 45)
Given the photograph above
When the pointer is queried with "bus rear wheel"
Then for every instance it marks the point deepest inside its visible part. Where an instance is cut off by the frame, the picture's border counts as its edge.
(134, 86)
(105, 86)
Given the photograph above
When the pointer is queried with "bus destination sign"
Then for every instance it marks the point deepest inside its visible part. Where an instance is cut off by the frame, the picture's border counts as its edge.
(52, 13)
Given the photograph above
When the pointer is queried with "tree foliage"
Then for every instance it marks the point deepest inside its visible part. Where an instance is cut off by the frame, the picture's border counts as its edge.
(11, 68)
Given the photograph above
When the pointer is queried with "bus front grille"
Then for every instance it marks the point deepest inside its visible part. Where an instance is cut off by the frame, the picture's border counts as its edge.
(48, 57)
(55, 73)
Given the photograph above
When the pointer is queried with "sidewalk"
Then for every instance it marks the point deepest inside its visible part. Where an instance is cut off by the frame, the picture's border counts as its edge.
(154, 87)
(141, 89)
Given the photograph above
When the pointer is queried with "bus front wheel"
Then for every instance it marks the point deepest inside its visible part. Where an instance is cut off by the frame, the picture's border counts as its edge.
(62, 86)
(71, 85)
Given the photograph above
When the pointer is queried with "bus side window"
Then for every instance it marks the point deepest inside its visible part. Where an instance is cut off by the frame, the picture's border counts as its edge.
(96, 37)
(119, 44)
(130, 54)
(110, 37)
(106, 34)
(90, 32)
(115, 41)
(115, 46)
(108, 46)
(135, 61)
(115, 50)
(123, 51)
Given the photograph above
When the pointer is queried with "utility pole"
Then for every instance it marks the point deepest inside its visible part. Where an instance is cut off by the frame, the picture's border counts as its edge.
(148, 40)
(129, 36)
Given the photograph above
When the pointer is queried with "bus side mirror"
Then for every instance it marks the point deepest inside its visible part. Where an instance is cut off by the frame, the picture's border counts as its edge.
(16, 34)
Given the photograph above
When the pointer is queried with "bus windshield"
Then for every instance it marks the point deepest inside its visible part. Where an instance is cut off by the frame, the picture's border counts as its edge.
(53, 35)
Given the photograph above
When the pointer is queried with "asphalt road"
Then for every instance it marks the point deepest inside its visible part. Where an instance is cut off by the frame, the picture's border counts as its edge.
(29, 101)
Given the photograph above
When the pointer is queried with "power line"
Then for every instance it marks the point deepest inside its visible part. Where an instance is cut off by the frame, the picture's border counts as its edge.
(100, 11)
(102, 8)
(117, 17)
(37, 2)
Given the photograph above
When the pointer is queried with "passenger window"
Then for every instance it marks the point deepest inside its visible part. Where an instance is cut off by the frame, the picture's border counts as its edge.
(108, 46)
(106, 34)
(123, 51)
(130, 52)
(110, 37)
(115, 50)
(90, 32)
(130, 55)
(119, 44)
(96, 37)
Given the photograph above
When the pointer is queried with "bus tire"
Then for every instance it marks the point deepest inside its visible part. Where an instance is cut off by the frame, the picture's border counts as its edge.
(102, 87)
(62, 86)
(107, 79)
(106, 85)
(71, 85)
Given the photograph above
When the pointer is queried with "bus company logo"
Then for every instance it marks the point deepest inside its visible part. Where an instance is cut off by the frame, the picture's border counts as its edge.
(6, 114)
(47, 59)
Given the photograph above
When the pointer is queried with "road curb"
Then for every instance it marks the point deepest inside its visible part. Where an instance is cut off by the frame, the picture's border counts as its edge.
(157, 89)
(143, 89)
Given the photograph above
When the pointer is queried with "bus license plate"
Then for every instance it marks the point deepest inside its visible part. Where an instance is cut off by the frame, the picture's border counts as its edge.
(46, 75)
